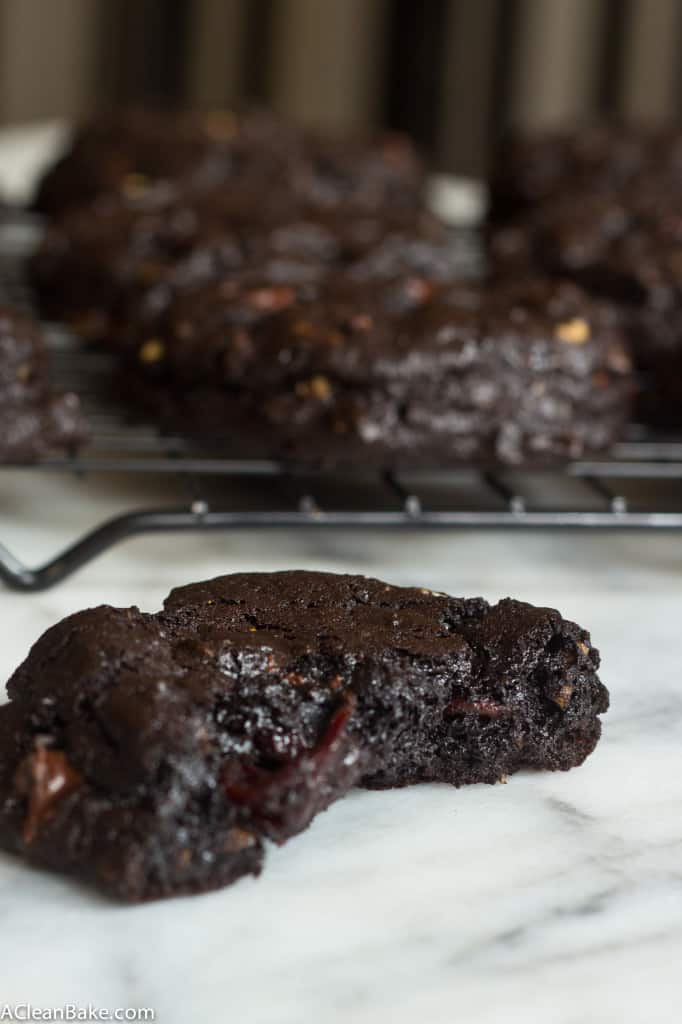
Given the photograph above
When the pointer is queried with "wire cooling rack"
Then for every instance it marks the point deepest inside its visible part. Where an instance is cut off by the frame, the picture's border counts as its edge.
(638, 485)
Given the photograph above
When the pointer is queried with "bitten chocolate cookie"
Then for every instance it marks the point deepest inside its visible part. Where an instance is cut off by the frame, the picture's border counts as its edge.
(377, 365)
(130, 152)
(153, 754)
(33, 420)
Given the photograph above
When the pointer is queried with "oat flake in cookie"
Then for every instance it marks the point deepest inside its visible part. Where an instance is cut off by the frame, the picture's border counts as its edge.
(152, 754)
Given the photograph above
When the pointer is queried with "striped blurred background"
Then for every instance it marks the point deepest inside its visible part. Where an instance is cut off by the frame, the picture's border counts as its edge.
(455, 73)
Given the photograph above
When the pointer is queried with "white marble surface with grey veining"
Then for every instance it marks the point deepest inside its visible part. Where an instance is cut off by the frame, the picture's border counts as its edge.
(556, 897)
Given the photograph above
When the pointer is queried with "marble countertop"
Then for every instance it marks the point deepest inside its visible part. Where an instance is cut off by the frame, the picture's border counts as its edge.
(554, 898)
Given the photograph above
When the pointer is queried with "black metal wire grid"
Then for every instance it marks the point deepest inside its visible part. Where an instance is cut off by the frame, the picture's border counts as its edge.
(638, 485)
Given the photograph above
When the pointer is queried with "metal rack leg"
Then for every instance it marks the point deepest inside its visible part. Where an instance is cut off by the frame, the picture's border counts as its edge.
(20, 577)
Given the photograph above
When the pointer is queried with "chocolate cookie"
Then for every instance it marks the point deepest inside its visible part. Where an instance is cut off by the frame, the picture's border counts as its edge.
(33, 421)
(153, 754)
(130, 152)
(95, 266)
(378, 365)
(530, 169)
(624, 246)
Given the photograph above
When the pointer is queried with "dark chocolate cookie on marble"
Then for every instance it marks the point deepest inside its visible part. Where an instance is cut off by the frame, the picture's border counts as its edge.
(152, 754)
(33, 420)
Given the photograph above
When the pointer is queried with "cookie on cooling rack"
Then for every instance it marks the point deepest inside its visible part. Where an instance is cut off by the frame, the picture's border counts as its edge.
(151, 754)
(379, 365)
(530, 169)
(624, 246)
(96, 265)
(33, 420)
(130, 152)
